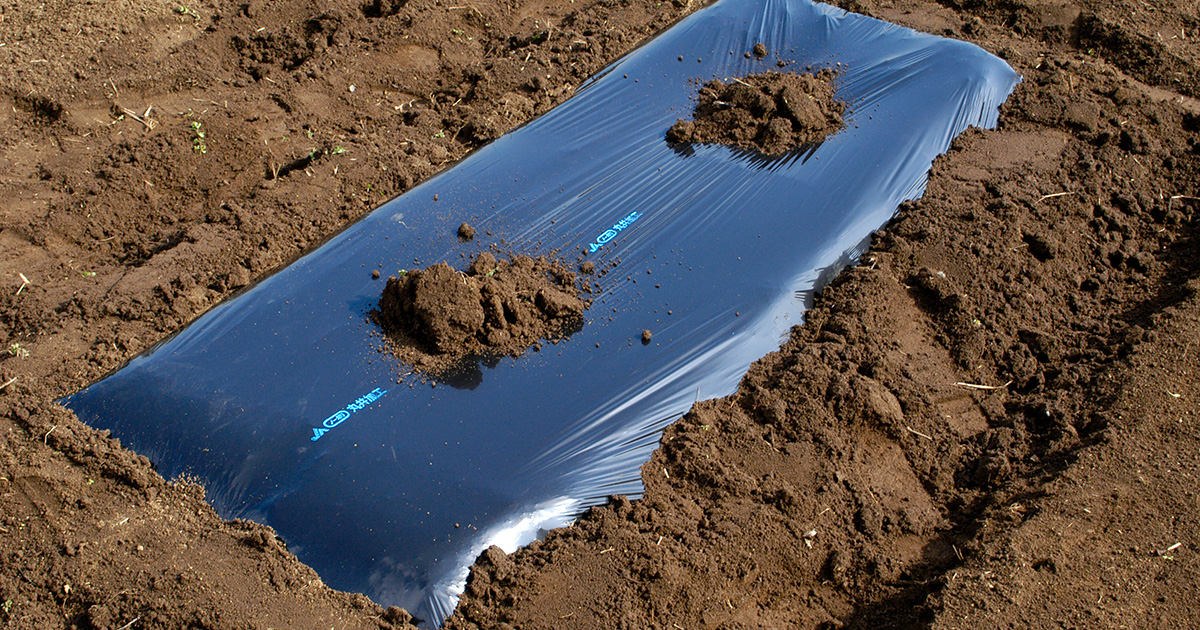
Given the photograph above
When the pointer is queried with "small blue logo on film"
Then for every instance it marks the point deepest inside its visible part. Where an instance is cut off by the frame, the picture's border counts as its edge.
(612, 232)
(344, 414)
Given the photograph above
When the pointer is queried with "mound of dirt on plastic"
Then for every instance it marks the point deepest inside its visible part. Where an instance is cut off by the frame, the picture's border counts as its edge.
(770, 112)
(438, 317)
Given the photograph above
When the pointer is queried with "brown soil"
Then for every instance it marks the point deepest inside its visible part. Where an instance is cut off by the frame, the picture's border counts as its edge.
(436, 317)
(768, 112)
(857, 477)
(466, 232)
(312, 114)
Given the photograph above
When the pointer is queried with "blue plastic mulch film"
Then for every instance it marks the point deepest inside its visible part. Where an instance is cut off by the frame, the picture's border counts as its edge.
(280, 402)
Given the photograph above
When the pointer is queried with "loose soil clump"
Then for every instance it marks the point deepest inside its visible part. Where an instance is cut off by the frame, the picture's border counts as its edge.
(771, 112)
(438, 317)
(466, 232)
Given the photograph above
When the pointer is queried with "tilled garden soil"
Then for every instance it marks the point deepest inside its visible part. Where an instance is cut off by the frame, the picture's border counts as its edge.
(990, 422)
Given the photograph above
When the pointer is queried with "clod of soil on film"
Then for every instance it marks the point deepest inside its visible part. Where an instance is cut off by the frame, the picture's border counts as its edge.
(466, 232)
(770, 112)
(437, 317)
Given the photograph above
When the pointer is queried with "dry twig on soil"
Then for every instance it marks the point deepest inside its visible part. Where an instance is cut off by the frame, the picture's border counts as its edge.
(983, 387)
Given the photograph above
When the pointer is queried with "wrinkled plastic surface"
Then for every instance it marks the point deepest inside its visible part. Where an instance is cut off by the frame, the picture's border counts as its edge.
(281, 403)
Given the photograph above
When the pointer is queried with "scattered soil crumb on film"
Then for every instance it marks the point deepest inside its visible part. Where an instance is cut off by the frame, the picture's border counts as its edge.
(466, 232)
(769, 112)
(437, 317)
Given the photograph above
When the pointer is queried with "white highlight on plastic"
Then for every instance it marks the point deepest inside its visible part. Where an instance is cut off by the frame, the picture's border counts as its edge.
(515, 533)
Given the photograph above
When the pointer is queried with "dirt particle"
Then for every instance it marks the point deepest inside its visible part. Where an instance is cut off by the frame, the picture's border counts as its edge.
(646, 336)
(99, 616)
(239, 277)
(466, 232)
(760, 50)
